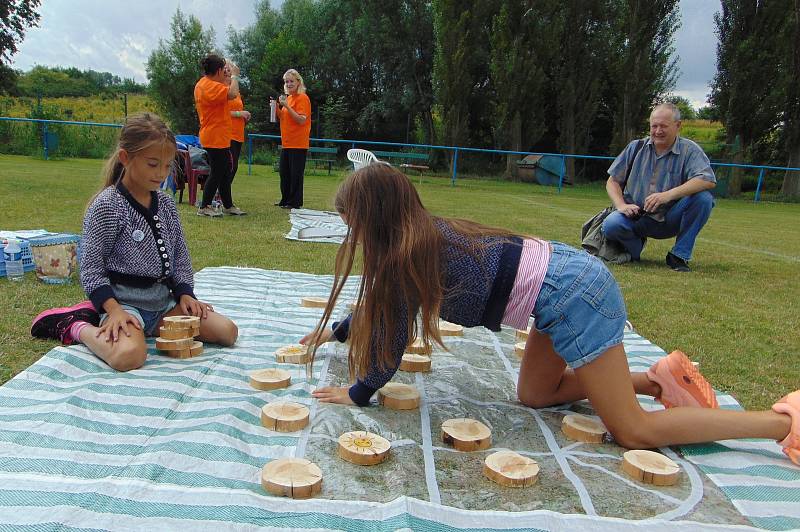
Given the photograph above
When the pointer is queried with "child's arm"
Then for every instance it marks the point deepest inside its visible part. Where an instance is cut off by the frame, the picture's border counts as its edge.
(183, 273)
(100, 227)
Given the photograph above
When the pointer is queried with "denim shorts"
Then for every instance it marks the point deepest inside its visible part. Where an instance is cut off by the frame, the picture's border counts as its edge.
(579, 307)
(148, 319)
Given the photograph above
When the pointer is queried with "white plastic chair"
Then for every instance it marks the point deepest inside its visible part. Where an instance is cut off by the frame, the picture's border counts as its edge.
(360, 158)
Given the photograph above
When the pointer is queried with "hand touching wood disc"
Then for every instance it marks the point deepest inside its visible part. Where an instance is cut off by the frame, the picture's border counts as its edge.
(511, 469)
(398, 396)
(297, 478)
(466, 434)
(650, 467)
(581, 428)
(284, 417)
(270, 379)
(363, 448)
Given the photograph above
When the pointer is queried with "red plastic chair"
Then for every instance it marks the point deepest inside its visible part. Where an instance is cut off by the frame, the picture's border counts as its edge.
(194, 176)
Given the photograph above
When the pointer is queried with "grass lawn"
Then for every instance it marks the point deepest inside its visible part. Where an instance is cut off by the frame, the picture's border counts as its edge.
(737, 313)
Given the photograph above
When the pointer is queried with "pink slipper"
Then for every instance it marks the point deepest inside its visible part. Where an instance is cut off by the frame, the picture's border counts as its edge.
(790, 405)
(681, 383)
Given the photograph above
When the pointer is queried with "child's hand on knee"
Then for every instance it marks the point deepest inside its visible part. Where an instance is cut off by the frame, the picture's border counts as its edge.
(192, 307)
(117, 323)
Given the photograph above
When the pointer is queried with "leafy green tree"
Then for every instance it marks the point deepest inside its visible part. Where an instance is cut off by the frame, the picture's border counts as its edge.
(173, 69)
(709, 112)
(16, 16)
(791, 130)
(684, 106)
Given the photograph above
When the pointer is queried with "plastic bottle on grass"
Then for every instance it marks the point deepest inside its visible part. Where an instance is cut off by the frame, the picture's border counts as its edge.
(12, 254)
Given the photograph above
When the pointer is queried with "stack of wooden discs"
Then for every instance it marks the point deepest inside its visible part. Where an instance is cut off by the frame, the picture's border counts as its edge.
(511, 469)
(418, 347)
(297, 478)
(584, 429)
(650, 467)
(314, 302)
(284, 417)
(398, 396)
(414, 362)
(466, 434)
(363, 448)
(450, 329)
(270, 379)
(177, 337)
(293, 354)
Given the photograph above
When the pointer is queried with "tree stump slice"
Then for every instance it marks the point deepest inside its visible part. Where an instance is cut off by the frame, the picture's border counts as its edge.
(314, 302)
(418, 347)
(178, 334)
(363, 448)
(270, 379)
(650, 467)
(522, 335)
(284, 417)
(398, 396)
(174, 345)
(413, 362)
(584, 429)
(519, 349)
(466, 434)
(293, 354)
(297, 478)
(511, 469)
(450, 329)
(195, 349)
(182, 322)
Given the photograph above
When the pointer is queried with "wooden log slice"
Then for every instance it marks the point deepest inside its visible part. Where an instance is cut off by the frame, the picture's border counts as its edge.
(519, 349)
(522, 335)
(181, 322)
(284, 417)
(398, 396)
(196, 349)
(363, 448)
(511, 469)
(414, 362)
(178, 334)
(650, 467)
(314, 302)
(174, 345)
(581, 428)
(418, 347)
(450, 329)
(270, 379)
(293, 354)
(297, 478)
(466, 434)
(180, 353)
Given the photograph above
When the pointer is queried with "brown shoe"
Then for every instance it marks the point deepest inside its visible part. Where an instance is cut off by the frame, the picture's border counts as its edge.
(234, 211)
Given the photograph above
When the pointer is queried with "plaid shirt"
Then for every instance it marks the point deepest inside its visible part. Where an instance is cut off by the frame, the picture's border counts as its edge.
(652, 173)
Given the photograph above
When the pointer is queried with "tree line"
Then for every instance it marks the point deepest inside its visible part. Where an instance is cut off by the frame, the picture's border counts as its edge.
(56, 82)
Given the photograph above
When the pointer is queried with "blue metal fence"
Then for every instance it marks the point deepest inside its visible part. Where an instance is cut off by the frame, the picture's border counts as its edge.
(454, 149)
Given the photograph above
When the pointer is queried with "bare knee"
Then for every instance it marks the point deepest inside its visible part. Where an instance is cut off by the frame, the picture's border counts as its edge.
(534, 399)
(127, 358)
(228, 333)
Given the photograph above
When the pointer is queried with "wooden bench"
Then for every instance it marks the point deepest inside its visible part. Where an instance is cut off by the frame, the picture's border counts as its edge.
(410, 160)
(316, 154)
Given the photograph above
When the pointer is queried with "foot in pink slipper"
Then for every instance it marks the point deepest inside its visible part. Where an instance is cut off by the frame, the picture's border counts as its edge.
(790, 405)
(681, 383)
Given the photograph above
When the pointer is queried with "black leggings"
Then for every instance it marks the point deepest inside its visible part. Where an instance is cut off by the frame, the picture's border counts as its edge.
(236, 151)
(293, 164)
(220, 178)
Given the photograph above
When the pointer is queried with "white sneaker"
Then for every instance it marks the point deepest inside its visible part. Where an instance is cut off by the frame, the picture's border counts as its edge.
(234, 211)
(208, 211)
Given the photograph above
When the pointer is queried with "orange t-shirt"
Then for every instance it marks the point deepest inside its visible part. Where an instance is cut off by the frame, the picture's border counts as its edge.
(294, 135)
(237, 123)
(211, 101)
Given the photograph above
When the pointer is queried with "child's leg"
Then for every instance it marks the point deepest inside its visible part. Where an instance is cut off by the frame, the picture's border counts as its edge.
(127, 353)
(544, 379)
(214, 328)
(610, 389)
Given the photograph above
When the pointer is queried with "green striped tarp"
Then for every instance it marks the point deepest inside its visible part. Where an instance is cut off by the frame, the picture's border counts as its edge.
(178, 444)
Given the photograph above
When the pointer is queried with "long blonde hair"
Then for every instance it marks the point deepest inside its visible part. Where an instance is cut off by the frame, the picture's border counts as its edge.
(139, 132)
(401, 250)
(301, 86)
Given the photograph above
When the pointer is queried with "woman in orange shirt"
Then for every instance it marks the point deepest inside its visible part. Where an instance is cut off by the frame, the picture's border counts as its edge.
(239, 117)
(294, 114)
(211, 95)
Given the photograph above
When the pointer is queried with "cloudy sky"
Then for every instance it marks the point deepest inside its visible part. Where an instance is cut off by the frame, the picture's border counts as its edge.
(117, 37)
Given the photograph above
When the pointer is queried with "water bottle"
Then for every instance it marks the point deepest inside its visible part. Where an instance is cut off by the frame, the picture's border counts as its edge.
(273, 111)
(12, 254)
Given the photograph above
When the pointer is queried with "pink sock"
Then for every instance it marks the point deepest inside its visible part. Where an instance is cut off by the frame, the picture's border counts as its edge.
(75, 330)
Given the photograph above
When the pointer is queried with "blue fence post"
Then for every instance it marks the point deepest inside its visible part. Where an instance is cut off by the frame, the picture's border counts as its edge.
(561, 174)
(44, 140)
(455, 167)
(249, 155)
(758, 186)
